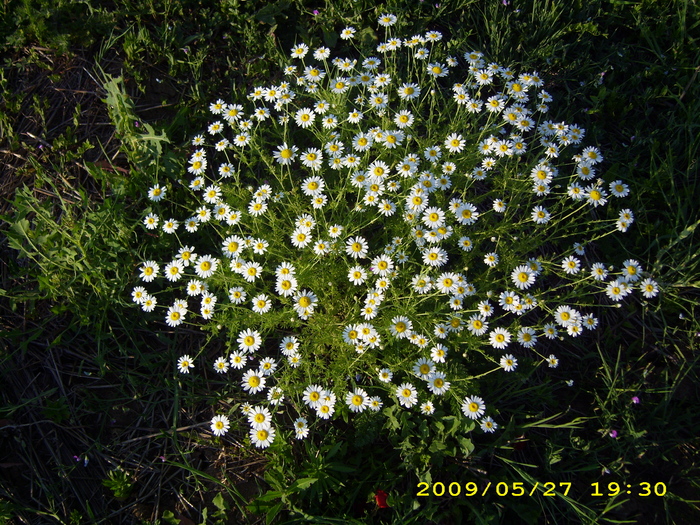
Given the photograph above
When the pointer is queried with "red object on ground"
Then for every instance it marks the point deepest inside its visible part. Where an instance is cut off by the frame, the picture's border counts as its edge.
(380, 498)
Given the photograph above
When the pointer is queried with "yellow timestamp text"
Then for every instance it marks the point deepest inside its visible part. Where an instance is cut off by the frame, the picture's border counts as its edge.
(547, 489)
(502, 488)
(637, 489)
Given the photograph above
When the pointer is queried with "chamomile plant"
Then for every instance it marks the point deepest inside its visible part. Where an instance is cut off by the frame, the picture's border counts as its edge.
(385, 231)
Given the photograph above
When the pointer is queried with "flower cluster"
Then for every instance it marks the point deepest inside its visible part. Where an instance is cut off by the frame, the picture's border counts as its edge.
(386, 225)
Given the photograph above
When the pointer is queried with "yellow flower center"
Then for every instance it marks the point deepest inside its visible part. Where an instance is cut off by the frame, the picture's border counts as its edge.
(254, 381)
(304, 302)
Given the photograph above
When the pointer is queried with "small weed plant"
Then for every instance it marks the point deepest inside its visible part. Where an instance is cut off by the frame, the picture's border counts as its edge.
(393, 232)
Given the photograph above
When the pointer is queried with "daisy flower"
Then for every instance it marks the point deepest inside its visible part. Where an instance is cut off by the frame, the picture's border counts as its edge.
(262, 438)
(261, 304)
(237, 295)
(631, 270)
(437, 384)
(522, 277)
(238, 360)
(322, 53)
(220, 425)
(312, 395)
(206, 266)
(184, 364)
(174, 270)
(356, 247)
(299, 51)
(221, 365)
(473, 407)
(249, 341)
(407, 395)
(527, 337)
(156, 193)
(650, 288)
(149, 271)
(285, 154)
(615, 290)
(348, 33)
(488, 425)
(150, 221)
(259, 418)
(499, 338)
(566, 316)
(326, 409)
(387, 20)
(508, 363)
(357, 400)
(491, 259)
(301, 429)
(148, 304)
(304, 303)
(253, 382)
(170, 226)
(423, 368)
(427, 408)
(571, 265)
(540, 215)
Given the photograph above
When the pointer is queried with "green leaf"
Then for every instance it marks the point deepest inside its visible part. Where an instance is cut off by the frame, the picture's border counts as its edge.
(302, 484)
(272, 513)
(219, 502)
